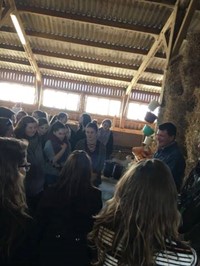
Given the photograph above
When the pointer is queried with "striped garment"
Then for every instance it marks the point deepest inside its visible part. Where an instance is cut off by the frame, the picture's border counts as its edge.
(176, 254)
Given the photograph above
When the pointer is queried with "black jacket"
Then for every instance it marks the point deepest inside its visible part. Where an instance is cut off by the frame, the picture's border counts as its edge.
(172, 156)
(63, 227)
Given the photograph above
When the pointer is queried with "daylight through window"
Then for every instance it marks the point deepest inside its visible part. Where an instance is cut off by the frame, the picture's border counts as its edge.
(61, 100)
(102, 106)
(17, 93)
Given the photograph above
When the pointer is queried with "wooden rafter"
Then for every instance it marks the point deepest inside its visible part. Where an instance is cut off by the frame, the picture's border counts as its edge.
(74, 57)
(169, 49)
(184, 26)
(91, 43)
(28, 51)
(1, 8)
(84, 73)
(5, 14)
(163, 3)
(150, 54)
(95, 21)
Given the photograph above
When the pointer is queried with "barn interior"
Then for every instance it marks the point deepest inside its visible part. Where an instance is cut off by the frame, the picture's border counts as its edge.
(125, 51)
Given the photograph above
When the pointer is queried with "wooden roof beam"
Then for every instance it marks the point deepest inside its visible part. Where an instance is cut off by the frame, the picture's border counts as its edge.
(163, 3)
(184, 26)
(150, 54)
(28, 51)
(82, 59)
(85, 19)
(100, 45)
(81, 72)
(1, 8)
(5, 13)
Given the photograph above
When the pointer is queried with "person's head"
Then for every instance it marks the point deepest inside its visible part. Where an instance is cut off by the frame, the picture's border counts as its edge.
(106, 124)
(53, 119)
(63, 117)
(85, 119)
(13, 166)
(91, 131)
(39, 114)
(8, 113)
(58, 129)
(142, 213)
(166, 134)
(6, 127)
(68, 131)
(26, 127)
(75, 177)
(20, 114)
(43, 126)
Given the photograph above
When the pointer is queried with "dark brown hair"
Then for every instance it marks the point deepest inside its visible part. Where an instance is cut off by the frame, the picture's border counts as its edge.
(21, 126)
(75, 177)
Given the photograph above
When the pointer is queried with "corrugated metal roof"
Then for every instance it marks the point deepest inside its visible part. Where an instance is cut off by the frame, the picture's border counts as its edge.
(101, 42)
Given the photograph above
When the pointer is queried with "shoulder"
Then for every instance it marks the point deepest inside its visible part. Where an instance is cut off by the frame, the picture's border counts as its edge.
(95, 191)
(48, 143)
(101, 145)
(178, 253)
(80, 143)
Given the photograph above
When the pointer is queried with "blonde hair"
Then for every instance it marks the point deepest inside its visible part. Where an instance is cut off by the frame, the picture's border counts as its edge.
(142, 214)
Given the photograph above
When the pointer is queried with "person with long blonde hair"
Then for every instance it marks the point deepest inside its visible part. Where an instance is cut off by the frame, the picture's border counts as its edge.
(15, 239)
(139, 225)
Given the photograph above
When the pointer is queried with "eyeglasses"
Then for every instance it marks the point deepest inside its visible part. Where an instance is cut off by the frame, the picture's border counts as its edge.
(26, 166)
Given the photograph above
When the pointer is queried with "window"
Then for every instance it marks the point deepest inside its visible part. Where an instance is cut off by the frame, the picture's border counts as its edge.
(17, 93)
(102, 106)
(137, 111)
(61, 100)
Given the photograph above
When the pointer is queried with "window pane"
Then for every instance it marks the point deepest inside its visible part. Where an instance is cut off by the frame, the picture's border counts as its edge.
(61, 100)
(137, 111)
(114, 108)
(91, 105)
(72, 101)
(17, 93)
(102, 106)
(48, 98)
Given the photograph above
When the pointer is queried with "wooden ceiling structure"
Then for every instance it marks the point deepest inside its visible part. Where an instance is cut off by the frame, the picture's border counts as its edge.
(116, 45)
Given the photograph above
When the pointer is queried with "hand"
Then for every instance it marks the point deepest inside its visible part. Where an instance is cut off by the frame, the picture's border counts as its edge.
(64, 146)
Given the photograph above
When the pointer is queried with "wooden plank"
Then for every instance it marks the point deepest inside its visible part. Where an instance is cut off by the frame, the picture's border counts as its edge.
(91, 20)
(91, 43)
(81, 59)
(169, 50)
(127, 130)
(1, 8)
(5, 15)
(26, 46)
(150, 55)
(184, 26)
(162, 3)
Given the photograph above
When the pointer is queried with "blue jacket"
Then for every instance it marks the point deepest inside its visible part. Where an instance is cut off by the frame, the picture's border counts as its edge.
(172, 156)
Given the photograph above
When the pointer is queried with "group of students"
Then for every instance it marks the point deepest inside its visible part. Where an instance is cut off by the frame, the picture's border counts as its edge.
(69, 226)
(50, 144)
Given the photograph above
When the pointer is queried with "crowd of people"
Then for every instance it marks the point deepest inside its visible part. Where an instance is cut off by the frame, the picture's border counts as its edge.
(51, 209)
